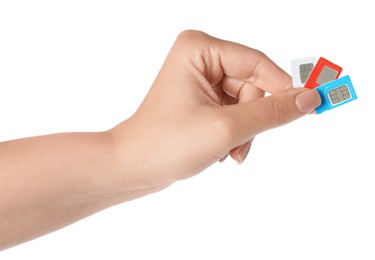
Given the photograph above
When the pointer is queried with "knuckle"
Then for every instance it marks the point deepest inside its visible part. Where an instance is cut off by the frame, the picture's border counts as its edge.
(260, 54)
(277, 112)
(188, 35)
(191, 39)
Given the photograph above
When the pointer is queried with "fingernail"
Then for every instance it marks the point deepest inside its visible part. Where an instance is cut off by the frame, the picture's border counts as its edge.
(308, 100)
(243, 153)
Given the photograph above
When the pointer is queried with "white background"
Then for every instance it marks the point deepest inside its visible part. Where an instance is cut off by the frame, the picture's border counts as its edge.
(306, 190)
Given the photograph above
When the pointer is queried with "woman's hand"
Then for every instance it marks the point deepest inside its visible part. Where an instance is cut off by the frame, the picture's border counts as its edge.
(207, 102)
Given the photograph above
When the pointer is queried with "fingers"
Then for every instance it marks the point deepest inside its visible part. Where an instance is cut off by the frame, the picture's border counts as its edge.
(240, 152)
(248, 119)
(247, 64)
(243, 91)
(217, 59)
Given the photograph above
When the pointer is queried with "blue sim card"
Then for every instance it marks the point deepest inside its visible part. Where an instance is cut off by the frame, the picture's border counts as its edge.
(335, 93)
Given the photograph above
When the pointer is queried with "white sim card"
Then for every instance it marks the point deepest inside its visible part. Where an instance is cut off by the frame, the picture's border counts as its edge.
(301, 70)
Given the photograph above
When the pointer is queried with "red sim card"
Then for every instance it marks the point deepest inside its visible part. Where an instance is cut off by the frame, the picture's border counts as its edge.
(323, 72)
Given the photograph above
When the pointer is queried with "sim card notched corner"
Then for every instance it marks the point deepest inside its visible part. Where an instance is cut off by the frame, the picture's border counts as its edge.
(335, 93)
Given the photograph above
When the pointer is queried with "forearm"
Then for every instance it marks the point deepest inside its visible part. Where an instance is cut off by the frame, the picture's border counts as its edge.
(48, 182)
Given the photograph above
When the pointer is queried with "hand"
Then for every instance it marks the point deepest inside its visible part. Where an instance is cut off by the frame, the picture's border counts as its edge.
(207, 101)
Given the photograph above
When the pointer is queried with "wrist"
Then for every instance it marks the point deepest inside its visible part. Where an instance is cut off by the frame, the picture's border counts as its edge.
(133, 152)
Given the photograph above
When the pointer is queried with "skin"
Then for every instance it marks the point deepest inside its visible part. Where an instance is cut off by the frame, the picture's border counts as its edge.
(207, 102)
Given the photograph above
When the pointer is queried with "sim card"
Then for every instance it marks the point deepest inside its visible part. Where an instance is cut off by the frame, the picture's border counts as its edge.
(301, 70)
(324, 72)
(335, 93)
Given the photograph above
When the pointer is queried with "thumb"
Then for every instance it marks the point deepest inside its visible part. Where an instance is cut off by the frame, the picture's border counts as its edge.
(251, 118)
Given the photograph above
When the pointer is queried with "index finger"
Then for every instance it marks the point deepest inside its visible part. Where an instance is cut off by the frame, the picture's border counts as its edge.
(247, 64)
